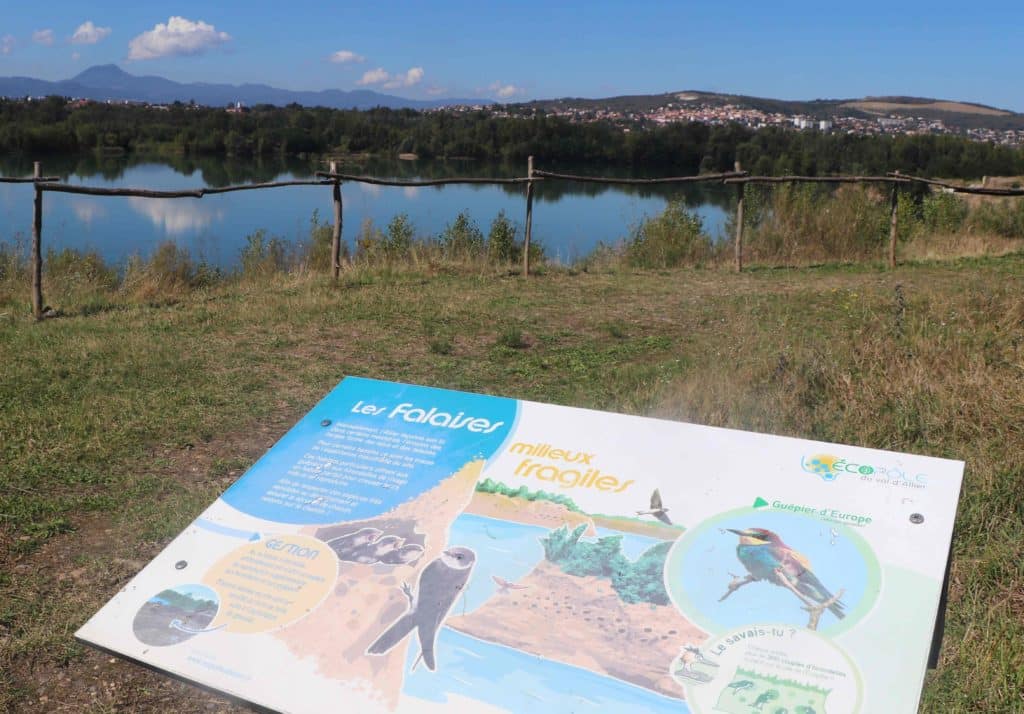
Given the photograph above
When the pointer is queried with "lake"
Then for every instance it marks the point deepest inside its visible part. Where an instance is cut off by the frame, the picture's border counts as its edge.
(569, 219)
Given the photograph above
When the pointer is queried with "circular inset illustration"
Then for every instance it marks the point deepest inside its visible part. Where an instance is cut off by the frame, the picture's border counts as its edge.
(768, 669)
(175, 615)
(762, 565)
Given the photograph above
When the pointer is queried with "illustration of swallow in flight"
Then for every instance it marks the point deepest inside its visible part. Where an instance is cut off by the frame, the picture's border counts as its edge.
(657, 509)
(504, 586)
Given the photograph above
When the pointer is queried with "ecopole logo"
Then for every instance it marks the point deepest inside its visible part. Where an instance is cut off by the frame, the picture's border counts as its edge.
(829, 467)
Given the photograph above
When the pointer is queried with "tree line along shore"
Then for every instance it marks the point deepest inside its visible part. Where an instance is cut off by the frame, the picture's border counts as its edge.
(57, 125)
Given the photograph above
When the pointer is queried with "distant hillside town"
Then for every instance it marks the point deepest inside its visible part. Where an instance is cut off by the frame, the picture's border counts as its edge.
(713, 113)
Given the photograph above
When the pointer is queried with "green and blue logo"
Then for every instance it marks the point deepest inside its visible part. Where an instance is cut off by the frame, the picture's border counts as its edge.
(830, 467)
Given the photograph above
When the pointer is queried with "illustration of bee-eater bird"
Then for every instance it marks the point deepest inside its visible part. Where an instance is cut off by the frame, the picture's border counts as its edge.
(657, 510)
(766, 557)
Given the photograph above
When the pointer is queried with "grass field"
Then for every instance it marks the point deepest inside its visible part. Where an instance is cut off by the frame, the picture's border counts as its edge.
(121, 420)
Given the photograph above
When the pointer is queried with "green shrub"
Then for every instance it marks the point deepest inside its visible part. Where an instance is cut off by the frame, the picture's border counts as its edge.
(398, 237)
(263, 256)
(318, 250)
(501, 240)
(943, 212)
(1003, 218)
(370, 242)
(672, 238)
(462, 238)
(512, 337)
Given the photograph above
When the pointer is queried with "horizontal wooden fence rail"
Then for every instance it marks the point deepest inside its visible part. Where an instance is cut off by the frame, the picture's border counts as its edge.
(975, 190)
(420, 182)
(641, 181)
(334, 179)
(31, 179)
(819, 179)
(186, 193)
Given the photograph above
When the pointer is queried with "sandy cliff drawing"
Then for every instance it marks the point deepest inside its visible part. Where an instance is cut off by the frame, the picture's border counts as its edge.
(587, 605)
(368, 595)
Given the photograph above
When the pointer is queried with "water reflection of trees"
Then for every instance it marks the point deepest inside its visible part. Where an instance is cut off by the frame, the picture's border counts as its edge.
(212, 171)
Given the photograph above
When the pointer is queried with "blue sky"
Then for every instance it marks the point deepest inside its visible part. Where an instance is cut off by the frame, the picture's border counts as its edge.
(539, 48)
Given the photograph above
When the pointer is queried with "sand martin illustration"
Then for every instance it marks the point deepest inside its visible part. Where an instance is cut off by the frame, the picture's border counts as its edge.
(408, 553)
(657, 509)
(382, 546)
(504, 586)
(357, 539)
(439, 586)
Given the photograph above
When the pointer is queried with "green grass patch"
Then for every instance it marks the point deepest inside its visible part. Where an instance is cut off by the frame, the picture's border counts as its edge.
(123, 419)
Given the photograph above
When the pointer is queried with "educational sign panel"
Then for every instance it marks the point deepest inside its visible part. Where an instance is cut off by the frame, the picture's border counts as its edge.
(406, 549)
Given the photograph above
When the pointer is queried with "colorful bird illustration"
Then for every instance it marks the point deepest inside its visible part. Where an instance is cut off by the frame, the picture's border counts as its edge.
(766, 557)
(657, 510)
(440, 585)
(505, 585)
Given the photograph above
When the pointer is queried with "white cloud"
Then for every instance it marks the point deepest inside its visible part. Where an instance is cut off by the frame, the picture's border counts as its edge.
(75, 56)
(88, 34)
(435, 91)
(7, 44)
(505, 91)
(175, 217)
(409, 79)
(43, 37)
(345, 57)
(88, 211)
(374, 76)
(392, 81)
(180, 36)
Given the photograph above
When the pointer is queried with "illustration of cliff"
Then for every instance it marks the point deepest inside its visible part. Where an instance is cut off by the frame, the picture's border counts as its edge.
(637, 526)
(494, 499)
(367, 597)
(614, 616)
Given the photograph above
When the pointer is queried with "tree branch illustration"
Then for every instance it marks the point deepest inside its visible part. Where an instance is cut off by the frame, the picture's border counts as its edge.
(737, 583)
(815, 609)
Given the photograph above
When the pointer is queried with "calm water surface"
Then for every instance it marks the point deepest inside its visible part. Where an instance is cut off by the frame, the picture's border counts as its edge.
(570, 219)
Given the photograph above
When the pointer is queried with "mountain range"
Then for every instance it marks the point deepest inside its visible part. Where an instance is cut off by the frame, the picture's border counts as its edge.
(110, 82)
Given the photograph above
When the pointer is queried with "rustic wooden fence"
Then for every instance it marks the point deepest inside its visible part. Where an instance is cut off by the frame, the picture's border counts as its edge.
(334, 179)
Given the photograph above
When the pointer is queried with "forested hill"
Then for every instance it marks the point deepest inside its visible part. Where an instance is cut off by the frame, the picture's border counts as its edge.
(34, 129)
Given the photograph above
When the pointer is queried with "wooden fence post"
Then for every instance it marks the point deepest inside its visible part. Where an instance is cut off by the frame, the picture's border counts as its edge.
(740, 191)
(529, 216)
(894, 212)
(336, 234)
(37, 247)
